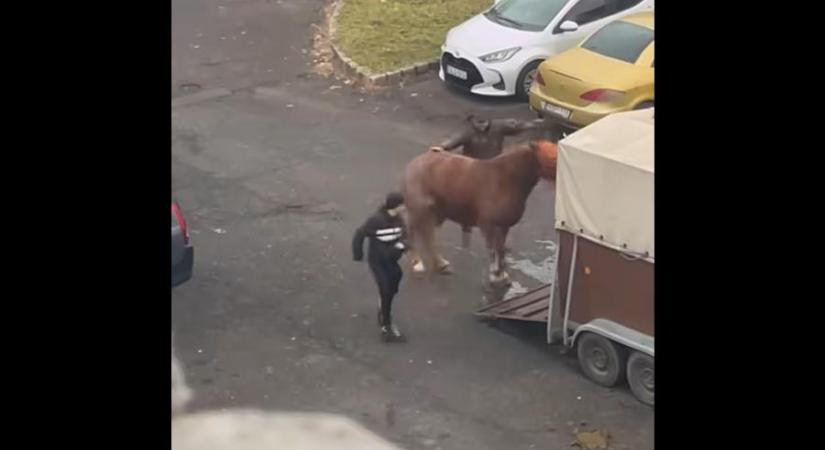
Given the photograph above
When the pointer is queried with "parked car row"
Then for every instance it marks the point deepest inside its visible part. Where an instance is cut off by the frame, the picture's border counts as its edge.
(611, 71)
(576, 61)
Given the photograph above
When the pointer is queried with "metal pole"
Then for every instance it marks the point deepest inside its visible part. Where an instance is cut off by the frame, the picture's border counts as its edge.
(551, 302)
(570, 289)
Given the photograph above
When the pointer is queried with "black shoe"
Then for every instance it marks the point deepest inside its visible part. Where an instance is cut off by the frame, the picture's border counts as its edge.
(391, 334)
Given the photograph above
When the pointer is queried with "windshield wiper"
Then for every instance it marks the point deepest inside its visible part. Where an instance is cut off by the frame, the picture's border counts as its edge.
(497, 17)
(510, 21)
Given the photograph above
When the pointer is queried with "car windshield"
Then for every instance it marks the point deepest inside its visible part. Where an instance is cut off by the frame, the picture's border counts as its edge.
(528, 15)
(620, 40)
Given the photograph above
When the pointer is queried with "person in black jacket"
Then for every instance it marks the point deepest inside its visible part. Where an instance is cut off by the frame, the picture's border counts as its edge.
(386, 233)
(484, 138)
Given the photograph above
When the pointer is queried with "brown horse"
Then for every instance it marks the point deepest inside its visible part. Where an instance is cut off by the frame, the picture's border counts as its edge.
(489, 194)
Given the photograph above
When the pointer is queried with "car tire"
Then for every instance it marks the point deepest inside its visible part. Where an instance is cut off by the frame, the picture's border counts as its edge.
(644, 105)
(525, 79)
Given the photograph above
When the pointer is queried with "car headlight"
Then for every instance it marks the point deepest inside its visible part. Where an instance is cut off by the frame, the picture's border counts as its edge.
(501, 55)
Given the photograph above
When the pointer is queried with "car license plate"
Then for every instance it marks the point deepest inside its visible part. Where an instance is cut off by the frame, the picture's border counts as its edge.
(564, 113)
(458, 73)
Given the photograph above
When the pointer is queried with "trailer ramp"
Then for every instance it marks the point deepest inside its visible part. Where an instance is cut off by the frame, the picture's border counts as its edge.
(532, 306)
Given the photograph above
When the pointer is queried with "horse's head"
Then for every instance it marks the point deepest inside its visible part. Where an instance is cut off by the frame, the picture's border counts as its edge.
(547, 154)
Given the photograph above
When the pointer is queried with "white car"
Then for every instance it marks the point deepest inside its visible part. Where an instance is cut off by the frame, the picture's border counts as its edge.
(497, 52)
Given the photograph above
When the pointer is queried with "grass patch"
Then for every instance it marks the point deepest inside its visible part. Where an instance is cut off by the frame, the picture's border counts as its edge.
(384, 35)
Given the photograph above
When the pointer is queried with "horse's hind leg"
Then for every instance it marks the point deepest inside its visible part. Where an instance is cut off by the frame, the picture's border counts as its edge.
(440, 264)
(413, 256)
(415, 260)
(414, 242)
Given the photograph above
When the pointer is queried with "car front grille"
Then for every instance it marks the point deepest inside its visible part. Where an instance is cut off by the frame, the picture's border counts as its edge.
(473, 75)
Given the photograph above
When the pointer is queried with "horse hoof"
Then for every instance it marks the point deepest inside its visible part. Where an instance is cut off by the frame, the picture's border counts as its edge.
(446, 270)
(506, 282)
(500, 280)
(419, 267)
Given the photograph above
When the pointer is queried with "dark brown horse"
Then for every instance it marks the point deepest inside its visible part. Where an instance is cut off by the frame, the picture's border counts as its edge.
(489, 194)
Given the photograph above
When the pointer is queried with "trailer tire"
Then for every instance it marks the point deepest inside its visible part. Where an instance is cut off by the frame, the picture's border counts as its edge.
(640, 376)
(601, 359)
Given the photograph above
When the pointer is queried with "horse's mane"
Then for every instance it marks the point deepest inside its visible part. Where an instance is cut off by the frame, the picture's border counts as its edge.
(542, 151)
(539, 144)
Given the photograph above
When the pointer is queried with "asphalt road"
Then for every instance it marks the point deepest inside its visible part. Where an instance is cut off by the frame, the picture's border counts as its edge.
(274, 171)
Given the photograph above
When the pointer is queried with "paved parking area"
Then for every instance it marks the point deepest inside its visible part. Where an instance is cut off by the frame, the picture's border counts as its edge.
(275, 170)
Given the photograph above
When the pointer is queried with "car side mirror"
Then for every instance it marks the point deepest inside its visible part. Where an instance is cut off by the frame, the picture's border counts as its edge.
(568, 26)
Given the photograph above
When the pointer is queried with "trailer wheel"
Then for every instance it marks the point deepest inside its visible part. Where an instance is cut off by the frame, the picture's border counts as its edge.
(601, 359)
(640, 376)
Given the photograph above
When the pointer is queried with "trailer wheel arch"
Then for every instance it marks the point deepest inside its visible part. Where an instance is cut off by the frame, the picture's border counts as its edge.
(619, 334)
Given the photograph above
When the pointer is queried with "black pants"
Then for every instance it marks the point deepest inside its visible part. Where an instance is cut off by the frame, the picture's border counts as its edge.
(387, 274)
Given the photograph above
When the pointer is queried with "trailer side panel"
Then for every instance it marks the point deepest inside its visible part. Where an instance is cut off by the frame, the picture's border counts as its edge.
(606, 285)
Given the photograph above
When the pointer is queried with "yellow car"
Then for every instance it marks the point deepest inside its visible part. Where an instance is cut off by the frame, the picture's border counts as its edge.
(611, 71)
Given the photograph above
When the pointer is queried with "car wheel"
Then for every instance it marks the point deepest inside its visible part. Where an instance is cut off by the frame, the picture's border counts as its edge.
(525, 80)
(644, 105)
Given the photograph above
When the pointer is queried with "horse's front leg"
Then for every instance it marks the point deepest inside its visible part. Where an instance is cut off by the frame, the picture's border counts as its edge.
(466, 235)
(501, 249)
(489, 238)
(498, 264)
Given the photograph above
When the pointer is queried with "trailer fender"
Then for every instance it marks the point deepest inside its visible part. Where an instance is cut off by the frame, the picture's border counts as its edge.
(617, 333)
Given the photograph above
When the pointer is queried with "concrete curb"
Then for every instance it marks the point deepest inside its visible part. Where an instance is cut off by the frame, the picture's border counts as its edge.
(412, 73)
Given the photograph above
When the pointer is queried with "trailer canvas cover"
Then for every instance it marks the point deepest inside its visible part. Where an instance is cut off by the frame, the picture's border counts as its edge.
(604, 183)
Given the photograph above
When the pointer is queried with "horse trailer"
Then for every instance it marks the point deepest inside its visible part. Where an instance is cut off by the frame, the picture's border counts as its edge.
(603, 302)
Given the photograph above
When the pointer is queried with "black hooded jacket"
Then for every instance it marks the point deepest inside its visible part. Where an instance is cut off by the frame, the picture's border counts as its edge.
(386, 238)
